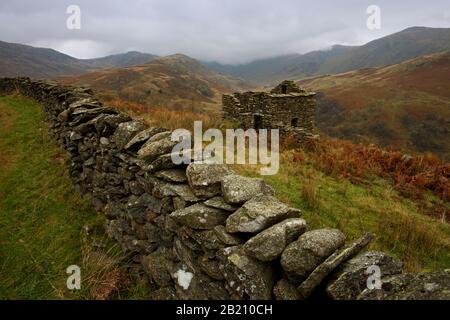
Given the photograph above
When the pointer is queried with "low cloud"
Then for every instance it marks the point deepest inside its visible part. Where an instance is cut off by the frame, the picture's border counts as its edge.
(228, 31)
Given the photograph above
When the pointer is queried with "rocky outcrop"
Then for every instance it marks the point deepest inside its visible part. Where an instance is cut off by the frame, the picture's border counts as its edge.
(201, 231)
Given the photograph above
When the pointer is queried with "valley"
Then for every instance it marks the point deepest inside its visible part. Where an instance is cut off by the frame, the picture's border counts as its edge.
(404, 106)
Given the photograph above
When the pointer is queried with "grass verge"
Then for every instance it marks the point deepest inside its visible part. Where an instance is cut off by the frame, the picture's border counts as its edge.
(401, 227)
(42, 218)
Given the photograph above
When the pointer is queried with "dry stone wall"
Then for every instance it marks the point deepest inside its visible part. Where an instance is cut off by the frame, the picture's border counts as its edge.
(200, 231)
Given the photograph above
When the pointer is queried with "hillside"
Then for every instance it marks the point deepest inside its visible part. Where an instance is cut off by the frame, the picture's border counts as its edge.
(23, 60)
(174, 82)
(127, 59)
(392, 49)
(404, 106)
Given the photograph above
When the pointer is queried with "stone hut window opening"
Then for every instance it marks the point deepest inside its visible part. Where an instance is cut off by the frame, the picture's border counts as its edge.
(294, 122)
(257, 121)
(283, 89)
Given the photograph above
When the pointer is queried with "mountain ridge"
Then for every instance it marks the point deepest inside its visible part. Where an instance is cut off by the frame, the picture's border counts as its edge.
(395, 48)
(126, 59)
(24, 60)
(176, 81)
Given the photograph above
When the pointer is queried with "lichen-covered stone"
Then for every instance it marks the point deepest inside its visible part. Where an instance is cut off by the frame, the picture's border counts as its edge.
(270, 243)
(208, 239)
(158, 268)
(117, 228)
(199, 287)
(136, 188)
(137, 206)
(104, 141)
(162, 189)
(184, 192)
(211, 267)
(200, 216)
(152, 232)
(179, 203)
(125, 132)
(205, 179)
(64, 116)
(172, 175)
(246, 277)
(309, 285)
(142, 137)
(284, 290)
(301, 257)
(159, 136)
(151, 151)
(220, 203)
(113, 210)
(238, 189)
(225, 237)
(350, 279)
(411, 286)
(186, 254)
(107, 124)
(165, 161)
(259, 213)
(86, 103)
(81, 115)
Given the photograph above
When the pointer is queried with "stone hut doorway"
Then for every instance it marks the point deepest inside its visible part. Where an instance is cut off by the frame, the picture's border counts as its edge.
(294, 122)
(283, 89)
(257, 121)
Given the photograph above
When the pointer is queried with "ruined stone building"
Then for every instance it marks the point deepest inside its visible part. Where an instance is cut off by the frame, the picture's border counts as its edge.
(286, 107)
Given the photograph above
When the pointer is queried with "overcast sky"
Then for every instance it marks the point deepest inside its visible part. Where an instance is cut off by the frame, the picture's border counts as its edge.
(228, 31)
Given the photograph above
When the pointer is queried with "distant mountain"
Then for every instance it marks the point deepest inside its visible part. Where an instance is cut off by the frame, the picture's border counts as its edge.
(175, 81)
(392, 49)
(405, 106)
(120, 60)
(23, 60)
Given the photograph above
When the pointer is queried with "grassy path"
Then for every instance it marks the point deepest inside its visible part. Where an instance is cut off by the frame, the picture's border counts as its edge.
(40, 214)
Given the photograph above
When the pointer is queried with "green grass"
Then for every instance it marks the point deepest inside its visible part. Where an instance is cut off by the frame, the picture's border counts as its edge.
(401, 229)
(41, 216)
